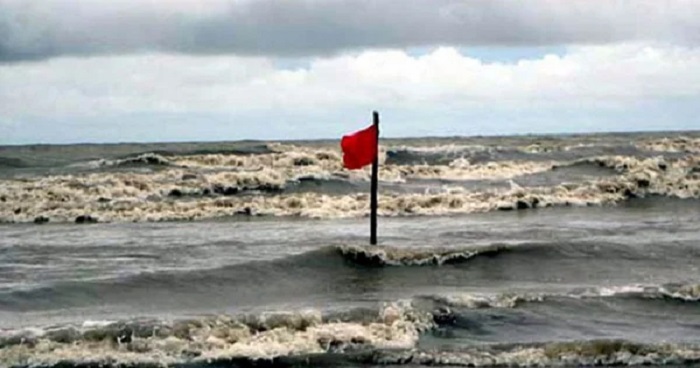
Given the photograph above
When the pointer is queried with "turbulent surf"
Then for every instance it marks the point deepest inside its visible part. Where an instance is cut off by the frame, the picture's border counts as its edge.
(493, 251)
(429, 178)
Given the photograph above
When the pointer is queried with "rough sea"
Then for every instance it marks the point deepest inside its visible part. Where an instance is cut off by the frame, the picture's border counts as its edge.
(523, 251)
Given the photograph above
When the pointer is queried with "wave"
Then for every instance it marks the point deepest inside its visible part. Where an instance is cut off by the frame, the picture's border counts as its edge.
(401, 256)
(387, 334)
(244, 281)
(329, 261)
(150, 159)
(183, 194)
(671, 292)
(179, 158)
(682, 293)
(677, 144)
(444, 302)
(241, 150)
(298, 161)
(559, 150)
(277, 156)
(438, 155)
(241, 279)
(286, 157)
(463, 169)
(200, 341)
(554, 354)
(12, 163)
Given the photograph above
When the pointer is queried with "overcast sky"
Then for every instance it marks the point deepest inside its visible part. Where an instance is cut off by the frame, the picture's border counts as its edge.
(173, 70)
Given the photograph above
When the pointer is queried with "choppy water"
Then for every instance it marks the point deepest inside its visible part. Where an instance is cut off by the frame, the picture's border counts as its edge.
(518, 251)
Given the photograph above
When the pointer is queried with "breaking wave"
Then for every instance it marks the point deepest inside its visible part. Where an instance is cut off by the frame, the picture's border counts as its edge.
(555, 354)
(685, 293)
(323, 262)
(339, 261)
(438, 155)
(145, 159)
(402, 256)
(243, 149)
(203, 340)
(387, 334)
(310, 182)
(678, 144)
(674, 292)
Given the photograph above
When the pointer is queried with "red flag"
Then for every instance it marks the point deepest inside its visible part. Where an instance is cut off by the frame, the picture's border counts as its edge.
(359, 148)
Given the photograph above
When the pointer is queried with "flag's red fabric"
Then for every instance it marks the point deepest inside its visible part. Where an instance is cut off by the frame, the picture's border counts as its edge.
(359, 148)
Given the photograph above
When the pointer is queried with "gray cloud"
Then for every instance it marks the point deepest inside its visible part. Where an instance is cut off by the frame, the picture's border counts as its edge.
(40, 29)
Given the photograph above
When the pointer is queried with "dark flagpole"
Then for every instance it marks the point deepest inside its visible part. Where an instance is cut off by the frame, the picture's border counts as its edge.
(375, 179)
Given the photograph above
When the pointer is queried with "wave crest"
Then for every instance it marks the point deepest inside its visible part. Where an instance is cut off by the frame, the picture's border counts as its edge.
(677, 144)
(560, 354)
(388, 334)
(402, 256)
(678, 292)
(147, 159)
(395, 326)
(182, 194)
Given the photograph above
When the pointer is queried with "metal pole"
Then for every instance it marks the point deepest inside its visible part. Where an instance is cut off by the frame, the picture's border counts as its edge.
(375, 179)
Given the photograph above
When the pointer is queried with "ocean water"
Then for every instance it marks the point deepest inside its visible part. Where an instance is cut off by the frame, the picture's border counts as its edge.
(494, 251)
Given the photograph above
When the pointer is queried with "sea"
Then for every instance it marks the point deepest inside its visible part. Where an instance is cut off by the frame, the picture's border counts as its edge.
(521, 251)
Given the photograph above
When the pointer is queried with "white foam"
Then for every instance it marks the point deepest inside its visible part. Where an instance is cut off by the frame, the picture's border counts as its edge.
(611, 291)
(687, 292)
(405, 256)
(397, 326)
(684, 292)
(97, 323)
(145, 197)
(442, 149)
(568, 354)
(477, 300)
(486, 300)
(677, 144)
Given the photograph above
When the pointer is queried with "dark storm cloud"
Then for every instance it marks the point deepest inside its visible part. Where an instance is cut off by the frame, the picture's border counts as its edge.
(39, 29)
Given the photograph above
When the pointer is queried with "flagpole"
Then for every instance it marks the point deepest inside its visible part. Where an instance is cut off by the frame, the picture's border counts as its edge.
(375, 180)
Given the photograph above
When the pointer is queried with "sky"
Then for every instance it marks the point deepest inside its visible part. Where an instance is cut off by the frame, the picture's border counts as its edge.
(200, 70)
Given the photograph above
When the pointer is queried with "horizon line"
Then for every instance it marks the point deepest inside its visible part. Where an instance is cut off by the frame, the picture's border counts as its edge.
(309, 140)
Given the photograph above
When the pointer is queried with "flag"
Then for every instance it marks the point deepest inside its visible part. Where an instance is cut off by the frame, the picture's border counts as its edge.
(359, 148)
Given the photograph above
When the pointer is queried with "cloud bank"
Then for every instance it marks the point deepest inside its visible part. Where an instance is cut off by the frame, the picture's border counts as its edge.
(35, 30)
(593, 75)
(441, 92)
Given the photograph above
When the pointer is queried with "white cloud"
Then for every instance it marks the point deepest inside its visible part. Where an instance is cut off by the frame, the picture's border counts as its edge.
(595, 76)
